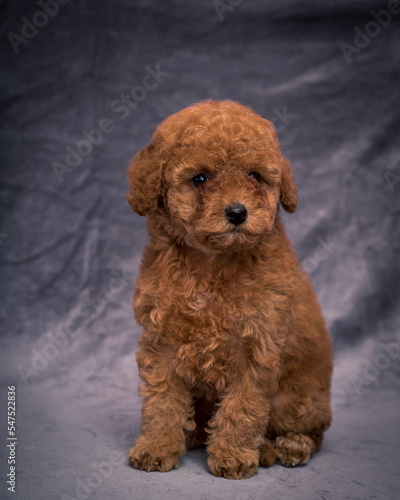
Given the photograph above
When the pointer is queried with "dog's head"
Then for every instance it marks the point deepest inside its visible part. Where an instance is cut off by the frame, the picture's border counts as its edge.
(214, 175)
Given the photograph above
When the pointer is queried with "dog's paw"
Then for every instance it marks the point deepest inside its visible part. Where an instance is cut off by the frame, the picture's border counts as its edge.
(146, 455)
(232, 467)
(267, 454)
(294, 449)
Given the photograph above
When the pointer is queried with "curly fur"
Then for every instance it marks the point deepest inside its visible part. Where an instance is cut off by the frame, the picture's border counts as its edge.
(234, 354)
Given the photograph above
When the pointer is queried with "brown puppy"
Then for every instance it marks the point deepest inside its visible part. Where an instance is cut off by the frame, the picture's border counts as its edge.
(234, 354)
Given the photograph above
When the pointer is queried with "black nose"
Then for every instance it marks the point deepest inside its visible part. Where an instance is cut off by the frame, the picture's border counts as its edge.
(236, 213)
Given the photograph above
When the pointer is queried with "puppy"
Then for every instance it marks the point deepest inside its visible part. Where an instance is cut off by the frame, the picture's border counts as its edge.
(234, 354)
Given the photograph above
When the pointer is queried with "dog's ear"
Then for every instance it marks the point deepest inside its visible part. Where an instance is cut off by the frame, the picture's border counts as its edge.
(145, 177)
(288, 191)
(288, 194)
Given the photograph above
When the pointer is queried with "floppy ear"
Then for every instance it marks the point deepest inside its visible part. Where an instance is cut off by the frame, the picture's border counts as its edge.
(145, 178)
(288, 192)
(288, 195)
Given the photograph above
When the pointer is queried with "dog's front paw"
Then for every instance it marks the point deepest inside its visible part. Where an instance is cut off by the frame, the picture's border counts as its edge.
(294, 449)
(149, 456)
(222, 463)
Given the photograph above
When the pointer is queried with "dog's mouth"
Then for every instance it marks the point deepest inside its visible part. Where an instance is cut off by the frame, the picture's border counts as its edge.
(232, 238)
(215, 231)
(235, 238)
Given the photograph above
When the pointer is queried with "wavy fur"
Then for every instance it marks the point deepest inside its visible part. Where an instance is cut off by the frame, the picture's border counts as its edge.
(234, 354)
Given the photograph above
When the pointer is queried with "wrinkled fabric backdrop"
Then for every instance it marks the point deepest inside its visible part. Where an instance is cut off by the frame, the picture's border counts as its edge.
(327, 74)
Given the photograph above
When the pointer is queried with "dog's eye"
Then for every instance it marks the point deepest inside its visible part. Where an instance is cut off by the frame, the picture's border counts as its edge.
(255, 176)
(199, 179)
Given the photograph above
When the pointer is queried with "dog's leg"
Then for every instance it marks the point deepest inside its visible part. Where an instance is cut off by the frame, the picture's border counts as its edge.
(298, 421)
(237, 431)
(166, 413)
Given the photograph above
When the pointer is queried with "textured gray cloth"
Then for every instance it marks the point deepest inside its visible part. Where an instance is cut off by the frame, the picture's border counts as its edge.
(327, 74)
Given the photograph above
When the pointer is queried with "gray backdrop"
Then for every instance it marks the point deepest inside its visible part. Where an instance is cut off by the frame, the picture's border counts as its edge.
(327, 74)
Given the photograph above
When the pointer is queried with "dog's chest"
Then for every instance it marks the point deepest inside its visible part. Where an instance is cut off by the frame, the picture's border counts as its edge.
(217, 336)
(213, 326)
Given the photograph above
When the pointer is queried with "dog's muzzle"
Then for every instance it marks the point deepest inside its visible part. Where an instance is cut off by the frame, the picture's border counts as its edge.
(236, 213)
